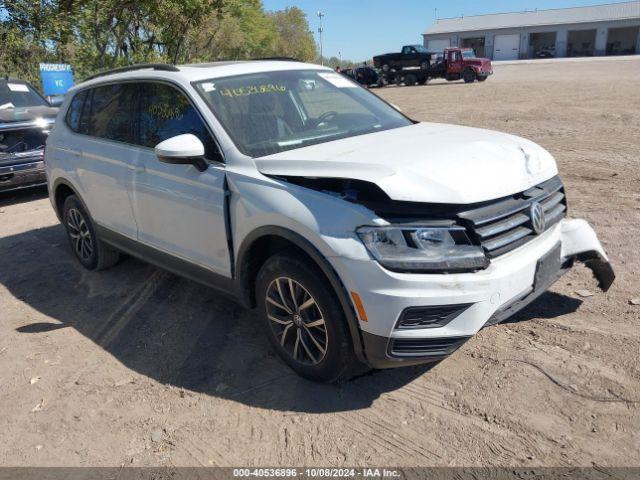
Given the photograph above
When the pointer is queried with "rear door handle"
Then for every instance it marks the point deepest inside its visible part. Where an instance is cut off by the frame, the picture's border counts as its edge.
(137, 169)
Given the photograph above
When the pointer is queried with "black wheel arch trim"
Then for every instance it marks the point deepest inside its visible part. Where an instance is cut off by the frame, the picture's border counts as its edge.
(243, 282)
(54, 191)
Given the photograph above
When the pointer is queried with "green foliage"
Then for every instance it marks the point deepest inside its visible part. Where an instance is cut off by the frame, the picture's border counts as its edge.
(294, 38)
(93, 35)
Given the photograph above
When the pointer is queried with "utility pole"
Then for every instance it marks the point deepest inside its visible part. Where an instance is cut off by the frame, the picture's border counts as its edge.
(320, 30)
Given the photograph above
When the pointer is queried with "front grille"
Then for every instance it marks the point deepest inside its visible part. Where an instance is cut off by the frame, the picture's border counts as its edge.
(505, 225)
(425, 347)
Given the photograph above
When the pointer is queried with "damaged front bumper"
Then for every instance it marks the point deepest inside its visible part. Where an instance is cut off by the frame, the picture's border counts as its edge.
(29, 172)
(420, 318)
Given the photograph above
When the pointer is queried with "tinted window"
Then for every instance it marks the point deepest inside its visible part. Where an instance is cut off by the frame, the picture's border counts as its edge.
(75, 110)
(111, 112)
(166, 112)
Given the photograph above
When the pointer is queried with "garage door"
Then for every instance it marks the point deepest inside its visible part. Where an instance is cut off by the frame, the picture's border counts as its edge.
(438, 46)
(506, 47)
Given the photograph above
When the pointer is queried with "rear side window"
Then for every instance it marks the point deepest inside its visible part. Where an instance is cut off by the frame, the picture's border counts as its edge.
(111, 113)
(166, 112)
(75, 110)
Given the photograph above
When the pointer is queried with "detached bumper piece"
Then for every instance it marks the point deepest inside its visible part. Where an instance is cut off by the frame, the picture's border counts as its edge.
(601, 268)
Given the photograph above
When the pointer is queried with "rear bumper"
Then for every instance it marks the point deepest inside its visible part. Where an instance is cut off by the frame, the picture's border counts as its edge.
(470, 301)
(23, 175)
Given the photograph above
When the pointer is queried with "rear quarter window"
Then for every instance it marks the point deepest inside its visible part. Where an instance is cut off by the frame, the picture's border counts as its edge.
(75, 111)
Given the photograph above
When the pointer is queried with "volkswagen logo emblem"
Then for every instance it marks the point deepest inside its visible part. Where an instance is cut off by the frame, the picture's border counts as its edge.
(538, 221)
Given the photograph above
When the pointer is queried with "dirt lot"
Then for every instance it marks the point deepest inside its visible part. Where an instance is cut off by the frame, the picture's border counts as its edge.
(134, 366)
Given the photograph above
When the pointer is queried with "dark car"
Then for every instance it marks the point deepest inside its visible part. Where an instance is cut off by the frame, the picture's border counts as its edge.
(25, 120)
(364, 75)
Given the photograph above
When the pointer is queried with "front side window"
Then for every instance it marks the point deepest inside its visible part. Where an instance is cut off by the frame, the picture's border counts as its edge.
(270, 112)
(111, 112)
(166, 112)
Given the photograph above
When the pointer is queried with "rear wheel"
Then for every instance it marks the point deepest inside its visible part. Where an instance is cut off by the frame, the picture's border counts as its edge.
(469, 76)
(386, 68)
(87, 247)
(410, 80)
(303, 319)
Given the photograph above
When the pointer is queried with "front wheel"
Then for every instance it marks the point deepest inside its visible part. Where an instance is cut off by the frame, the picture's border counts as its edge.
(87, 247)
(303, 319)
(469, 76)
(481, 78)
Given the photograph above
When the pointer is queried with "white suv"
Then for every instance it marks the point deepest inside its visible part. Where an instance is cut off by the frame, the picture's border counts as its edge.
(364, 238)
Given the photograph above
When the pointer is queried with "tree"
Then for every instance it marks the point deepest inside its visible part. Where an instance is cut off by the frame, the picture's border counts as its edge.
(295, 40)
(93, 35)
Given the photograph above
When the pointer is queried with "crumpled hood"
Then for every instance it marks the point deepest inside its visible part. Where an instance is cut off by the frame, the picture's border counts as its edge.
(426, 162)
(27, 114)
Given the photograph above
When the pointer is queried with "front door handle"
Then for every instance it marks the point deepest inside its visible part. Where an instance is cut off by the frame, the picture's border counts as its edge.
(137, 168)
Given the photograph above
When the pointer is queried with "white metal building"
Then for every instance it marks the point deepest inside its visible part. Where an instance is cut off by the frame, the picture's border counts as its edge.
(612, 29)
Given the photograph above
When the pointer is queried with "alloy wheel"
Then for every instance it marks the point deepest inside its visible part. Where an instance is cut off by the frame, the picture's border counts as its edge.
(80, 234)
(296, 321)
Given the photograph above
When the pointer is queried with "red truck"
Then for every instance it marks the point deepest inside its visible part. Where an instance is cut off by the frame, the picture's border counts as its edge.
(452, 64)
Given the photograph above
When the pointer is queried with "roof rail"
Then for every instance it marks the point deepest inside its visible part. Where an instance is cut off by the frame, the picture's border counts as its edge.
(141, 66)
(284, 59)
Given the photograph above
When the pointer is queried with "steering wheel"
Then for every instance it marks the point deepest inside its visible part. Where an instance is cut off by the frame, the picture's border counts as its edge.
(326, 116)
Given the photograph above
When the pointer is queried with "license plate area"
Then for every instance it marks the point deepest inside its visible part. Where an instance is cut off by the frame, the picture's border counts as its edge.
(547, 268)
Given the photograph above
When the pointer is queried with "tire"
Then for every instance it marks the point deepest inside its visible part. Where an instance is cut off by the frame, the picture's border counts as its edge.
(410, 80)
(85, 244)
(469, 76)
(320, 352)
(481, 78)
(386, 68)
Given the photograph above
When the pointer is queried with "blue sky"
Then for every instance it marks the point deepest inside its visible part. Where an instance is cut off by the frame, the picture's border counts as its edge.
(363, 28)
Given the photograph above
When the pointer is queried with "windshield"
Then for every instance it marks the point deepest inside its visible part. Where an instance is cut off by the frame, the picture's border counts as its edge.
(270, 112)
(468, 54)
(19, 95)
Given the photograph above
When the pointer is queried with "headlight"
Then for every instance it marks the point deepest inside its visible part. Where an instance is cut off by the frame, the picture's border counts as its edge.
(423, 249)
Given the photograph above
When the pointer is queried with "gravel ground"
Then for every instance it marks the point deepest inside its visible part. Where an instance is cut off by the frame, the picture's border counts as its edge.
(134, 366)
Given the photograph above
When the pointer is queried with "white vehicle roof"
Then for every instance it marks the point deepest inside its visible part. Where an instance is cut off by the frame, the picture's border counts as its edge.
(203, 71)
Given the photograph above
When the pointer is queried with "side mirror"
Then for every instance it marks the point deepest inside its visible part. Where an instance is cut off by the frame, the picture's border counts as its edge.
(56, 101)
(184, 149)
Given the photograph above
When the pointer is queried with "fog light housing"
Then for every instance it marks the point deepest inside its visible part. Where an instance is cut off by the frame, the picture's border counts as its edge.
(435, 316)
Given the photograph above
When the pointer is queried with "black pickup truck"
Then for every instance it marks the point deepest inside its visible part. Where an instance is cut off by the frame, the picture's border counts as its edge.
(409, 56)
(25, 120)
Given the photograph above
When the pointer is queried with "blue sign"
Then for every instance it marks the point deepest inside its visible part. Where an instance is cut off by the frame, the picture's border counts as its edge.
(57, 78)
